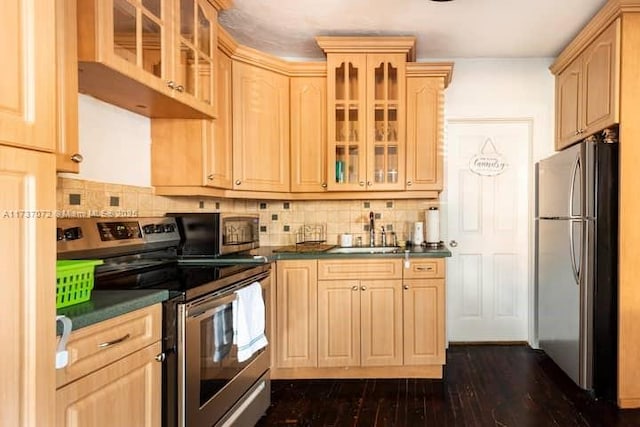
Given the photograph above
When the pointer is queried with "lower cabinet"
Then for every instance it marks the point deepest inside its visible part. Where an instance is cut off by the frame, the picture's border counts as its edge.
(360, 318)
(113, 377)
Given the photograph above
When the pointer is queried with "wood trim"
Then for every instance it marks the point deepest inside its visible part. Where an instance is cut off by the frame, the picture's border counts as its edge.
(326, 195)
(307, 69)
(226, 43)
(360, 44)
(431, 69)
(622, 403)
(221, 4)
(425, 371)
(601, 20)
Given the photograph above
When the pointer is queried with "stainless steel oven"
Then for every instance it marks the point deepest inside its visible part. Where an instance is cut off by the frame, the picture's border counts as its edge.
(211, 380)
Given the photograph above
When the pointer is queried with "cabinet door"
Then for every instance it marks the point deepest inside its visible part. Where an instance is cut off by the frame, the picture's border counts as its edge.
(67, 156)
(601, 81)
(297, 314)
(568, 105)
(27, 224)
(385, 121)
(218, 156)
(260, 129)
(125, 393)
(338, 323)
(424, 316)
(381, 305)
(425, 110)
(27, 77)
(346, 114)
(308, 134)
(195, 54)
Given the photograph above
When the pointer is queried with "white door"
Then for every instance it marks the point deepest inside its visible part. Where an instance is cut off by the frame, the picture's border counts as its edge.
(487, 215)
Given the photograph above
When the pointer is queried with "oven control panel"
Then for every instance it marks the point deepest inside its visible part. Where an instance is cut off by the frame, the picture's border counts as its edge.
(76, 236)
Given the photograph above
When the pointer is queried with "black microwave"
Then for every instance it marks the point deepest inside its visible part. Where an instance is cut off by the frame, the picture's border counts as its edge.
(213, 234)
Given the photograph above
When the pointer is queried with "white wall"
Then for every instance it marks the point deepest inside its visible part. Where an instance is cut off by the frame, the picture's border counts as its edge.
(115, 144)
(506, 89)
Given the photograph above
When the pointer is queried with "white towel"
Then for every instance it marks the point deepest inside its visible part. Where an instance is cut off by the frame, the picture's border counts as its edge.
(222, 334)
(249, 321)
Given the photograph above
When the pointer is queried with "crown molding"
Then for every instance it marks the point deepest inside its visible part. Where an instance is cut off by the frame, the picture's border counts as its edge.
(360, 44)
(431, 69)
(221, 4)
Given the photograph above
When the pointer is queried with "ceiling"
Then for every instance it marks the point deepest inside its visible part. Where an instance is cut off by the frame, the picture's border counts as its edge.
(456, 29)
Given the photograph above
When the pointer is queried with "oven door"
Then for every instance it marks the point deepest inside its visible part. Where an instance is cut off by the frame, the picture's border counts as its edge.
(211, 380)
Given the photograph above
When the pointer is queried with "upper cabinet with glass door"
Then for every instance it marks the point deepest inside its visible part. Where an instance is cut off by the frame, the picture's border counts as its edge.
(153, 57)
(366, 111)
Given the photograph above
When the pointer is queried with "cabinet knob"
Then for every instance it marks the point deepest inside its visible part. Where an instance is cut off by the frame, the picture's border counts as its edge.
(77, 158)
(180, 88)
(238, 182)
(354, 288)
(361, 183)
(161, 357)
(406, 287)
(409, 183)
(369, 183)
(364, 288)
(324, 185)
(171, 84)
(210, 177)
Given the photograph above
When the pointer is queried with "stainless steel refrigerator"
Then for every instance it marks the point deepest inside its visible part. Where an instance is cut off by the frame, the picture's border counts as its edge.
(576, 263)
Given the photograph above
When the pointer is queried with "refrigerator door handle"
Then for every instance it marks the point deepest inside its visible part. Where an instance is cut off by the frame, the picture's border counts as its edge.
(574, 173)
(574, 267)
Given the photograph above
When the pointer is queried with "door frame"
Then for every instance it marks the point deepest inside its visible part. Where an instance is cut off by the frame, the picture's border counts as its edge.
(444, 202)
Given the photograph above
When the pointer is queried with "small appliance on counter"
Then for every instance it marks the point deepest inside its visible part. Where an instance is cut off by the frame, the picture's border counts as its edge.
(418, 233)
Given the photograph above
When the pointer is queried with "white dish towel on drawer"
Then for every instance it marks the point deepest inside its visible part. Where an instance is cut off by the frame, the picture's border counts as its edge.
(249, 321)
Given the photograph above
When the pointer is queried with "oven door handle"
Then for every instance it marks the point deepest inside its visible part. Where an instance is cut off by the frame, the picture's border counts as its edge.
(219, 302)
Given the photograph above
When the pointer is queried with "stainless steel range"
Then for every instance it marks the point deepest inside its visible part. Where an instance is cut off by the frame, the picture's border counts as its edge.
(204, 384)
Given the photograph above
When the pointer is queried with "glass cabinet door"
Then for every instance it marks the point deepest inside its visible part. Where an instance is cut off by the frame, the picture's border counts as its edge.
(386, 118)
(347, 115)
(139, 34)
(196, 46)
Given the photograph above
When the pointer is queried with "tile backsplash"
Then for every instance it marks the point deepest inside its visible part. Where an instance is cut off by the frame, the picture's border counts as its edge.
(279, 220)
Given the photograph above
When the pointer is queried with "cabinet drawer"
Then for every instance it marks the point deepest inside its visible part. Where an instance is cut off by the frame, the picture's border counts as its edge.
(425, 269)
(360, 269)
(98, 345)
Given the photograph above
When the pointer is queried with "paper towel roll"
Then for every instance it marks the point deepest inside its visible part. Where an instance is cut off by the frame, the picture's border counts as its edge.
(432, 216)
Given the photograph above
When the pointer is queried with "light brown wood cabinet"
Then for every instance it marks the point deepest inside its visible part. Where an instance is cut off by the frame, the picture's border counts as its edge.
(308, 108)
(153, 58)
(296, 313)
(359, 320)
(27, 186)
(260, 129)
(424, 313)
(191, 152)
(425, 118)
(366, 112)
(587, 90)
(68, 157)
(113, 365)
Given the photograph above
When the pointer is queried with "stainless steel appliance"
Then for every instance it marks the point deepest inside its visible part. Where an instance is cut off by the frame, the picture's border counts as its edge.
(203, 382)
(213, 234)
(576, 262)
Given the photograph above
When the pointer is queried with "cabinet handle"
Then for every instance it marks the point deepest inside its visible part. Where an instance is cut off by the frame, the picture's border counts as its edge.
(406, 287)
(210, 177)
(238, 182)
(409, 183)
(77, 158)
(361, 183)
(364, 288)
(424, 268)
(324, 185)
(171, 84)
(354, 288)
(114, 342)
(369, 183)
(180, 88)
(161, 357)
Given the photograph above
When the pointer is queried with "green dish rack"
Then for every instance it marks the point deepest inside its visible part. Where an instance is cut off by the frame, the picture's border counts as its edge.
(74, 281)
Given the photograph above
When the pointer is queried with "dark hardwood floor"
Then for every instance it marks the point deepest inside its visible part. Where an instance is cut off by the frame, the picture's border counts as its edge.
(484, 385)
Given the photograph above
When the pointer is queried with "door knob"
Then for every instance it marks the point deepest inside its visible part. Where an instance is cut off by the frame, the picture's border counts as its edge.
(77, 158)
(453, 243)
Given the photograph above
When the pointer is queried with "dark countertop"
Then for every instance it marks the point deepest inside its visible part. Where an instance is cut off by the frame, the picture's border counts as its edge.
(105, 305)
(270, 252)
